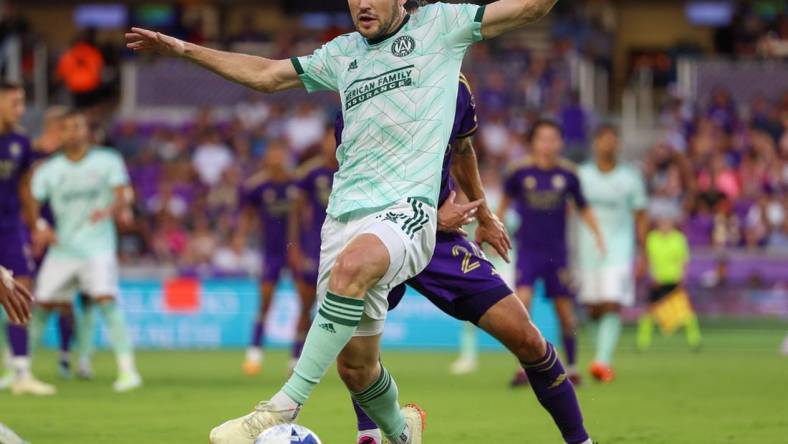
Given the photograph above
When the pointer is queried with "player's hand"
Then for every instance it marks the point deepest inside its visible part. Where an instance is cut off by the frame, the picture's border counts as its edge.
(125, 219)
(493, 231)
(601, 246)
(15, 298)
(41, 237)
(140, 39)
(452, 216)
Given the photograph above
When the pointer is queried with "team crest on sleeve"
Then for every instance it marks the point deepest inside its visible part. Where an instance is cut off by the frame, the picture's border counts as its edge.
(403, 46)
(15, 149)
(529, 182)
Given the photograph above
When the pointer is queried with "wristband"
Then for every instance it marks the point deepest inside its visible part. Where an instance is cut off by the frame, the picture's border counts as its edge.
(7, 278)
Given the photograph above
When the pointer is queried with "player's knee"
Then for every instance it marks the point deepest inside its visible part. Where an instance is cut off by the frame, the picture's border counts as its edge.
(349, 275)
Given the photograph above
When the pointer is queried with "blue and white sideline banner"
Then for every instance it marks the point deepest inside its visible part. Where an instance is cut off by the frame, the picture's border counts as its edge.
(218, 313)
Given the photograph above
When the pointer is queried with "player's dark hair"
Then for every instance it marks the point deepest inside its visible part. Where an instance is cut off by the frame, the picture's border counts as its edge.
(413, 4)
(542, 123)
(606, 128)
(6, 86)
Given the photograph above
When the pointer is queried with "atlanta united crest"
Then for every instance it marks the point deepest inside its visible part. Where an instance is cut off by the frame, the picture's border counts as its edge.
(403, 46)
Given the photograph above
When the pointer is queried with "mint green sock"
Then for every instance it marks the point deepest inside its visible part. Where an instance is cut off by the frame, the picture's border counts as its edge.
(609, 331)
(469, 348)
(36, 327)
(86, 328)
(332, 328)
(380, 402)
(116, 324)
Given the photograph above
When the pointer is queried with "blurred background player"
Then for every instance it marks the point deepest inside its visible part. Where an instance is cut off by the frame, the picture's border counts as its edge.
(308, 212)
(267, 197)
(18, 213)
(616, 193)
(87, 188)
(542, 187)
(667, 253)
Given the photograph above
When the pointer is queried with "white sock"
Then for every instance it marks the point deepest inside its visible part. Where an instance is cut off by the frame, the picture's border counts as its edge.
(588, 441)
(375, 434)
(21, 366)
(84, 363)
(254, 354)
(286, 406)
(126, 363)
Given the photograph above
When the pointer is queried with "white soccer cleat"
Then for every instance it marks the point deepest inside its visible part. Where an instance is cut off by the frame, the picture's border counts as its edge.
(244, 430)
(127, 382)
(8, 436)
(416, 419)
(31, 386)
(464, 366)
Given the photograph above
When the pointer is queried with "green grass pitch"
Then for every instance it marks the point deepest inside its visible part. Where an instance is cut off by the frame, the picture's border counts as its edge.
(734, 391)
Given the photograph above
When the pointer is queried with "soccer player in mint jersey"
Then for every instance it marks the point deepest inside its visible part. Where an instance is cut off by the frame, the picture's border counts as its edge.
(396, 77)
(87, 188)
(616, 193)
(308, 212)
(267, 196)
(462, 282)
(17, 213)
(542, 187)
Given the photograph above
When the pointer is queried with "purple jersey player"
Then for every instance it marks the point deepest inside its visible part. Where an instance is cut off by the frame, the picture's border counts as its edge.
(464, 284)
(541, 188)
(267, 196)
(17, 209)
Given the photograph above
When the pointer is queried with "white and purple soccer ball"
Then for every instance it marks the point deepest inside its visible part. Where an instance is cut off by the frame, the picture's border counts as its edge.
(288, 434)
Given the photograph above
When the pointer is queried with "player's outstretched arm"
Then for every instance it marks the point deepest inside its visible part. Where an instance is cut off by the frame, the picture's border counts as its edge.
(465, 168)
(589, 218)
(507, 15)
(258, 73)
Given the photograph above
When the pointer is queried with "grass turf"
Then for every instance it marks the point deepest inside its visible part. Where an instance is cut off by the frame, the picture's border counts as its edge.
(734, 391)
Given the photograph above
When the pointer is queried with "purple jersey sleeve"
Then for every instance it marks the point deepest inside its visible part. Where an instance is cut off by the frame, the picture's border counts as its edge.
(575, 190)
(511, 185)
(465, 121)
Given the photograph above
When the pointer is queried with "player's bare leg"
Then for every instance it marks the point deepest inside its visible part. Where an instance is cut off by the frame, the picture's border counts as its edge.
(525, 295)
(608, 316)
(128, 376)
(254, 354)
(360, 265)
(565, 309)
(509, 322)
(18, 337)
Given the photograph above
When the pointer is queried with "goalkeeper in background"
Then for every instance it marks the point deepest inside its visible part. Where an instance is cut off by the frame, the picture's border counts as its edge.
(668, 254)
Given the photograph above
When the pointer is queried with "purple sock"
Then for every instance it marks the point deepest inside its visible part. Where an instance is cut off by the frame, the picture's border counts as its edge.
(298, 347)
(557, 395)
(364, 421)
(66, 327)
(257, 334)
(570, 349)
(17, 337)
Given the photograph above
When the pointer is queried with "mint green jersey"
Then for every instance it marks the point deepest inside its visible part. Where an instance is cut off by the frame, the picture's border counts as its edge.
(614, 197)
(74, 190)
(398, 98)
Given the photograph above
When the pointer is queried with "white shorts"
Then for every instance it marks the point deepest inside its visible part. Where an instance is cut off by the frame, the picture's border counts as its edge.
(608, 284)
(407, 229)
(60, 278)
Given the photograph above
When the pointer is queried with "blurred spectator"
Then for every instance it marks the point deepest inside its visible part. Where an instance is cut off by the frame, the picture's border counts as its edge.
(211, 157)
(305, 129)
(235, 258)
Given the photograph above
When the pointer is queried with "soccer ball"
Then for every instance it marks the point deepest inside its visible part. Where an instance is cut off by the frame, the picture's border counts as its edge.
(287, 434)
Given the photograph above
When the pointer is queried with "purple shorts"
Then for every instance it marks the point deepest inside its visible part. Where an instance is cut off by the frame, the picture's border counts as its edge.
(273, 264)
(552, 269)
(15, 251)
(459, 280)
